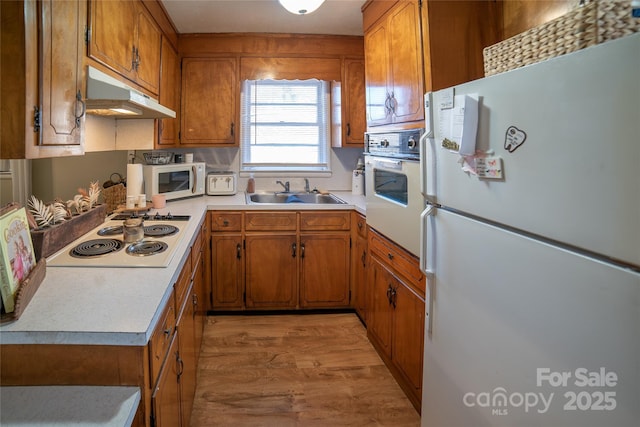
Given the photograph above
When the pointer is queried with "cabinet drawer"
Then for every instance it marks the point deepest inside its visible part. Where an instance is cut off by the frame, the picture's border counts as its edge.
(399, 260)
(196, 249)
(325, 220)
(360, 225)
(226, 221)
(270, 221)
(182, 285)
(161, 338)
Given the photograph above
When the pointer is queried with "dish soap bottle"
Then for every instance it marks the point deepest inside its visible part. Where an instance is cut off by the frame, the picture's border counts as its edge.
(251, 184)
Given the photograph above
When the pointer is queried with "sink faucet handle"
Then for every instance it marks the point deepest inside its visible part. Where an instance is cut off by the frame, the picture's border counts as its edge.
(306, 185)
(285, 185)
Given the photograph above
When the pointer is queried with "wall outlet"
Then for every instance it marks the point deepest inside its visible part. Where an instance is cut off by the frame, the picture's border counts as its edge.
(131, 156)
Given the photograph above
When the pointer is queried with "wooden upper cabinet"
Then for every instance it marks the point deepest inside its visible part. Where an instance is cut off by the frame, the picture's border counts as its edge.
(406, 63)
(42, 109)
(210, 94)
(393, 57)
(454, 35)
(377, 76)
(125, 38)
(168, 135)
(353, 103)
(148, 49)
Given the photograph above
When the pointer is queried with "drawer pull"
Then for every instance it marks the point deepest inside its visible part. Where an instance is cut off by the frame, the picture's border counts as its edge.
(390, 256)
(167, 332)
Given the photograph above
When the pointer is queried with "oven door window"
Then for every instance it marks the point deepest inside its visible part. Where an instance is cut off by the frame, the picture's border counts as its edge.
(170, 182)
(391, 185)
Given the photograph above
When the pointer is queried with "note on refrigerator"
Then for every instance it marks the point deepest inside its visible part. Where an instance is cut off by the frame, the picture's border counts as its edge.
(459, 125)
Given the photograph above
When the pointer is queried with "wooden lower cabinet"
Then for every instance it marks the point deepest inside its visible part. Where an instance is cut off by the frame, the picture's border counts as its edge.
(407, 347)
(227, 271)
(187, 357)
(324, 270)
(271, 266)
(395, 313)
(165, 400)
(359, 266)
(280, 260)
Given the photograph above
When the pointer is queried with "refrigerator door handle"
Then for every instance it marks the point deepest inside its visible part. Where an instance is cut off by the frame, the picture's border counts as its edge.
(427, 257)
(428, 168)
(426, 241)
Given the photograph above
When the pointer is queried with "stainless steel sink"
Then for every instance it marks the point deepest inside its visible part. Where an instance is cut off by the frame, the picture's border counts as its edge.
(291, 198)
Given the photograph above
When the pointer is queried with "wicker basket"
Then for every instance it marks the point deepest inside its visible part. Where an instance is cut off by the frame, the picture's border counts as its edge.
(595, 22)
(114, 196)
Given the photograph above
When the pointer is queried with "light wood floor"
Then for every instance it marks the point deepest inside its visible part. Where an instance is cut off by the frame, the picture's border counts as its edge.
(295, 370)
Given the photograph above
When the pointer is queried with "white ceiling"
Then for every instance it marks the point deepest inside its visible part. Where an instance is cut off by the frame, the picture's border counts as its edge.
(263, 16)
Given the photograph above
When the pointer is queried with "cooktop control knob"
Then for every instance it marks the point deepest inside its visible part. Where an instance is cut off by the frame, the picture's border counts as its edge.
(384, 143)
(411, 142)
(169, 216)
(157, 216)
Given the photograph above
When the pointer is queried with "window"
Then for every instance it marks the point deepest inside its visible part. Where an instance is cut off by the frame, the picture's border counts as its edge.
(285, 125)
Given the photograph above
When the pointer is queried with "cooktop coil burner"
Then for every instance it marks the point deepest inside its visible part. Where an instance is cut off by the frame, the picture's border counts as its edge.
(146, 248)
(160, 230)
(110, 230)
(96, 247)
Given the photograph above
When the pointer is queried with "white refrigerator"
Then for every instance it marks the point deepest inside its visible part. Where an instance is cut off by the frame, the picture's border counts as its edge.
(533, 302)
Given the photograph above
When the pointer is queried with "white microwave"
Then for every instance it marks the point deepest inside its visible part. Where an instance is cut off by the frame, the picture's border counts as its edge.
(175, 181)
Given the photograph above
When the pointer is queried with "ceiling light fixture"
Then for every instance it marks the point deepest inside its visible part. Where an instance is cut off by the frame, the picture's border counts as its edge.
(301, 7)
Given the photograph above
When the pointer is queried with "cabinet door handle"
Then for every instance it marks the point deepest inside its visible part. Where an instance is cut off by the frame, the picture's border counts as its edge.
(225, 223)
(167, 332)
(363, 258)
(301, 250)
(194, 300)
(389, 293)
(390, 256)
(238, 251)
(393, 297)
(393, 103)
(83, 108)
(348, 129)
(232, 129)
(293, 250)
(180, 365)
(360, 225)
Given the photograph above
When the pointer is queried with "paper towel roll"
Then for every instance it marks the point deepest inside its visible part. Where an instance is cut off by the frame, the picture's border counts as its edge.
(135, 182)
(357, 183)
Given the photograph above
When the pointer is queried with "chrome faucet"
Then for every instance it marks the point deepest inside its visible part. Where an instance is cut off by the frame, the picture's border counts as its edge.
(306, 185)
(285, 185)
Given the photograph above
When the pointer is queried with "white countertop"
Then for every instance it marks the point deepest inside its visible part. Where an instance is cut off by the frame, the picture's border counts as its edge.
(81, 406)
(121, 306)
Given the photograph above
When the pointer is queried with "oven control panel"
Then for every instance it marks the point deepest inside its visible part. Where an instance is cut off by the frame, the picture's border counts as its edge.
(399, 144)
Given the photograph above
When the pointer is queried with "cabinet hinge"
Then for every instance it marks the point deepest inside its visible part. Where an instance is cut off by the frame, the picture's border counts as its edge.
(37, 117)
(87, 35)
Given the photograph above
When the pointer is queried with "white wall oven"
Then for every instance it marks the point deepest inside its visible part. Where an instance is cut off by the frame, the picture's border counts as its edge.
(393, 197)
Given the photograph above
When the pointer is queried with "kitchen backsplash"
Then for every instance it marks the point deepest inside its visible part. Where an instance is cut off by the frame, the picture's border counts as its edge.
(60, 177)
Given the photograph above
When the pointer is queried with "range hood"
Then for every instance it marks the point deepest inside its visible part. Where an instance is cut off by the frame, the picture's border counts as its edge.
(107, 96)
